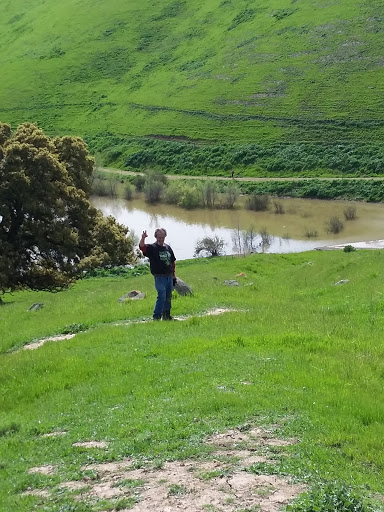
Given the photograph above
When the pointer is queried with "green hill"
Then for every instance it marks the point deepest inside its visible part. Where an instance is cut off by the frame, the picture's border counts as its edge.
(291, 353)
(224, 70)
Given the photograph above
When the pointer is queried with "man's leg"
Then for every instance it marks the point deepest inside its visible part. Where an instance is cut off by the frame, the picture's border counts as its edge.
(160, 285)
(168, 299)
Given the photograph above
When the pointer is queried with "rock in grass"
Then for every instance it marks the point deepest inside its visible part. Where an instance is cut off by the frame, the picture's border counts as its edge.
(36, 306)
(342, 281)
(132, 295)
(231, 282)
(182, 288)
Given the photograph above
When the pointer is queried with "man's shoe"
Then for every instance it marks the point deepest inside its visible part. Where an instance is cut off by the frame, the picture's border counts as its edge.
(156, 317)
(167, 316)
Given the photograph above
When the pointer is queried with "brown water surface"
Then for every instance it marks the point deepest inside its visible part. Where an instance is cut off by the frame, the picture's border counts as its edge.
(289, 229)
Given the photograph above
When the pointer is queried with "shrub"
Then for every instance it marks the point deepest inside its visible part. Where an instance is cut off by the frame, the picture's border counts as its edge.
(190, 198)
(331, 498)
(153, 190)
(350, 213)
(258, 203)
(74, 328)
(279, 208)
(173, 193)
(112, 187)
(100, 188)
(129, 191)
(349, 248)
(231, 193)
(311, 233)
(139, 182)
(209, 191)
(213, 246)
(335, 225)
(151, 175)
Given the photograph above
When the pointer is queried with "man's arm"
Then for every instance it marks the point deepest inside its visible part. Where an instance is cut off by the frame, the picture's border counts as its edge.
(142, 246)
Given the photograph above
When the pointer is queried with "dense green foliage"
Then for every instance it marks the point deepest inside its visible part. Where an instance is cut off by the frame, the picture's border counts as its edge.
(331, 498)
(297, 352)
(360, 190)
(221, 70)
(49, 232)
(135, 271)
(296, 159)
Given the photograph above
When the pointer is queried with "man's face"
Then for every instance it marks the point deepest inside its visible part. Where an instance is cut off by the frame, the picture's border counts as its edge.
(160, 237)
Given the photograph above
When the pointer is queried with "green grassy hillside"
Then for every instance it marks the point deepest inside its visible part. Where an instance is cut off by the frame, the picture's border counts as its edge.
(295, 351)
(241, 71)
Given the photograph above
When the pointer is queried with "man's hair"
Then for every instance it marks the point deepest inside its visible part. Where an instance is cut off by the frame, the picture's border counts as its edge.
(160, 229)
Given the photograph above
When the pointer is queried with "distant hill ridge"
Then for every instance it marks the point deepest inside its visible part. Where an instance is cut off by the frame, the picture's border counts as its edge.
(218, 70)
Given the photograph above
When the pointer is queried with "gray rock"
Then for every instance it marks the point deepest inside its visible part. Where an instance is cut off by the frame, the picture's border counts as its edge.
(182, 288)
(36, 306)
(342, 281)
(132, 295)
(231, 282)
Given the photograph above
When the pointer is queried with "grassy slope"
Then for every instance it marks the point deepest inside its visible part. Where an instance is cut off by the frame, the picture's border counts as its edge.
(246, 71)
(311, 353)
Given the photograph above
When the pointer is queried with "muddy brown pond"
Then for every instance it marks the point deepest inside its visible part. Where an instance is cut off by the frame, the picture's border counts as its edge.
(287, 231)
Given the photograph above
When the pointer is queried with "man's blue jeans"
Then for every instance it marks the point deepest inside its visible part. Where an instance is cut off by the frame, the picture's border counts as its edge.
(164, 287)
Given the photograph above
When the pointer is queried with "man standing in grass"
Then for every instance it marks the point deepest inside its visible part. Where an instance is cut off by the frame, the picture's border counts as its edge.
(162, 265)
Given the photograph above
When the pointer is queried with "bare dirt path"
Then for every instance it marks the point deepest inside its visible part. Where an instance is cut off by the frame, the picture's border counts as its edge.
(239, 178)
(62, 337)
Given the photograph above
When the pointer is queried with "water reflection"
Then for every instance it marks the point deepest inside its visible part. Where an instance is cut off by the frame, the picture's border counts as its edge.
(287, 230)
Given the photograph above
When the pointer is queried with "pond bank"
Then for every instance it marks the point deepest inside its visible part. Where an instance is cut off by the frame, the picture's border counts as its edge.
(371, 244)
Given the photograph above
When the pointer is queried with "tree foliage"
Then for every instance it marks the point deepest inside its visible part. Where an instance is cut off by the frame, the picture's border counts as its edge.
(49, 232)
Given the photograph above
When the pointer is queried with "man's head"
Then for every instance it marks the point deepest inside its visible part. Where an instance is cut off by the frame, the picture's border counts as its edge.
(160, 235)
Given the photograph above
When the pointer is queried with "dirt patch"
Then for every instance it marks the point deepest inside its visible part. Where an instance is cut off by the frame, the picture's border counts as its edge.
(222, 481)
(40, 343)
(43, 470)
(58, 433)
(211, 312)
(41, 493)
(218, 311)
(92, 444)
(252, 438)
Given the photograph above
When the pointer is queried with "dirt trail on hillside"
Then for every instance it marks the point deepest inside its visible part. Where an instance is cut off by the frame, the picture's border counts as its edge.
(233, 477)
(62, 337)
(239, 178)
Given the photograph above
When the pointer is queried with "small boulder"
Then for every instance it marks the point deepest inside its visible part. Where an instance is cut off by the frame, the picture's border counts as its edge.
(36, 306)
(182, 288)
(342, 281)
(231, 282)
(132, 295)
